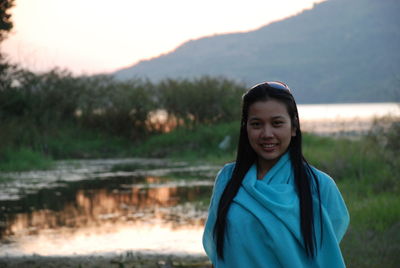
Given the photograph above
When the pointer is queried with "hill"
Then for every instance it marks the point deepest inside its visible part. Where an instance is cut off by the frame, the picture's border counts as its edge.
(339, 51)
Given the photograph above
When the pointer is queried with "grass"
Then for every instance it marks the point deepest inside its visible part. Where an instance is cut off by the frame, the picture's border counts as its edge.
(375, 213)
(198, 144)
(59, 142)
(24, 159)
(74, 142)
(368, 180)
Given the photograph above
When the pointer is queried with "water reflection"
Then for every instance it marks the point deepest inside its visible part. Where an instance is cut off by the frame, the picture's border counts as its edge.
(115, 238)
(135, 213)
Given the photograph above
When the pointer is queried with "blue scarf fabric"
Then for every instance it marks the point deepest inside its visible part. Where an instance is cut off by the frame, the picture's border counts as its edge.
(263, 222)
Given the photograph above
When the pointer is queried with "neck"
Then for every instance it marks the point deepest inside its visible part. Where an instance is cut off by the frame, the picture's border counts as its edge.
(263, 166)
(262, 169)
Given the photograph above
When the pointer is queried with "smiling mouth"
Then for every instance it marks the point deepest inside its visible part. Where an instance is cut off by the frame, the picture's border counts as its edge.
(269, 145)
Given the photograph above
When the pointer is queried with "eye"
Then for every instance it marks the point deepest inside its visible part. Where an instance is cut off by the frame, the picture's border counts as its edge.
(278, 123)
(255, 124)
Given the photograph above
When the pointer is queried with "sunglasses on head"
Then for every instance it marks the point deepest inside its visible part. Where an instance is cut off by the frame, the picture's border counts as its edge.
(278, 85)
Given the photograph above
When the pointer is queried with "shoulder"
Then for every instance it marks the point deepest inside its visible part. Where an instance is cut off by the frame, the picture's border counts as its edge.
(333, 203)
(325, 181)
(330, 193)
(222, 178)
(227, 169)
(225, 173)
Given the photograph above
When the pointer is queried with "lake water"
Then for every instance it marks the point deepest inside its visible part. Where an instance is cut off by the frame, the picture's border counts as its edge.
(87, 207)
(348, 110)
(342, 119)
(138, 205)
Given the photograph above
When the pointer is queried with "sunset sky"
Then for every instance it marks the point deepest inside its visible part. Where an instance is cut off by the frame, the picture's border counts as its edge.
(94, 36)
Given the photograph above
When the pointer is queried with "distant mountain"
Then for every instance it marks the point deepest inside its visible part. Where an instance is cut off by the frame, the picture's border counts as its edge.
(339, 51)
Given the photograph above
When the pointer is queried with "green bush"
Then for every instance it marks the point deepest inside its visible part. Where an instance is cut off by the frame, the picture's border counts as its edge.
(117, 108)
(200, 142)
(205, 100)
(23, 159)
(70, 141)
(62, 116)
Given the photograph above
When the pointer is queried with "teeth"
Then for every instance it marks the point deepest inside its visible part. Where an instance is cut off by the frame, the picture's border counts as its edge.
(268, 145)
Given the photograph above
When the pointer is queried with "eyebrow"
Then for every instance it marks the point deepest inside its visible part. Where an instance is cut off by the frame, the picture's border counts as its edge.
(274, 117)
(279, 117)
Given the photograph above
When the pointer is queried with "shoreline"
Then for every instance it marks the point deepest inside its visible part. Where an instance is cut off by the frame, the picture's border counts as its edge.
(127, 259)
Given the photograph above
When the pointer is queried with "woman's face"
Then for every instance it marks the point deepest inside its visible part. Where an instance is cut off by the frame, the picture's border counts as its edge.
(269, 129)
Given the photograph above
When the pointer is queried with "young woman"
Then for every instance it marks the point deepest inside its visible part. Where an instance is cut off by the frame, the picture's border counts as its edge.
(271, 208)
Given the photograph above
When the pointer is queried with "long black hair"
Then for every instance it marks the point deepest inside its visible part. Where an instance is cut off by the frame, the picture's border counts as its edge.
(246, 157)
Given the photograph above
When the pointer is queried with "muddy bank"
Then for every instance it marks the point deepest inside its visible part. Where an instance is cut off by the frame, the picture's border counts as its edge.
(125, 260)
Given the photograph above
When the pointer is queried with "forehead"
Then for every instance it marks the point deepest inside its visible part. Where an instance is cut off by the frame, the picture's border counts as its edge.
(268, 109)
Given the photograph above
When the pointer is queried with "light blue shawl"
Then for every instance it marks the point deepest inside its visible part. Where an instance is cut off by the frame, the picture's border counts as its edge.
(263, 222)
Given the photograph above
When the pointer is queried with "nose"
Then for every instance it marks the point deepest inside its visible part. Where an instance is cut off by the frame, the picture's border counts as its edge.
(267, 132)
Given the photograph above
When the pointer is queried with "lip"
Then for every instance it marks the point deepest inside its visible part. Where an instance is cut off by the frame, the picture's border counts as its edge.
(269, 147)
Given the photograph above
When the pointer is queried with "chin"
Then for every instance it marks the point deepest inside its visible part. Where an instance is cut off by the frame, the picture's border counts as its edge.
(270, 156)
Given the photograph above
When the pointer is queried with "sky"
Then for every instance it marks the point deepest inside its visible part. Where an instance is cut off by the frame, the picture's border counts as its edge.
(102, 36)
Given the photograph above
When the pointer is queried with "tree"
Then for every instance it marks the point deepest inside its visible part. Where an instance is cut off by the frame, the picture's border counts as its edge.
(5, 18)
(5, 27)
